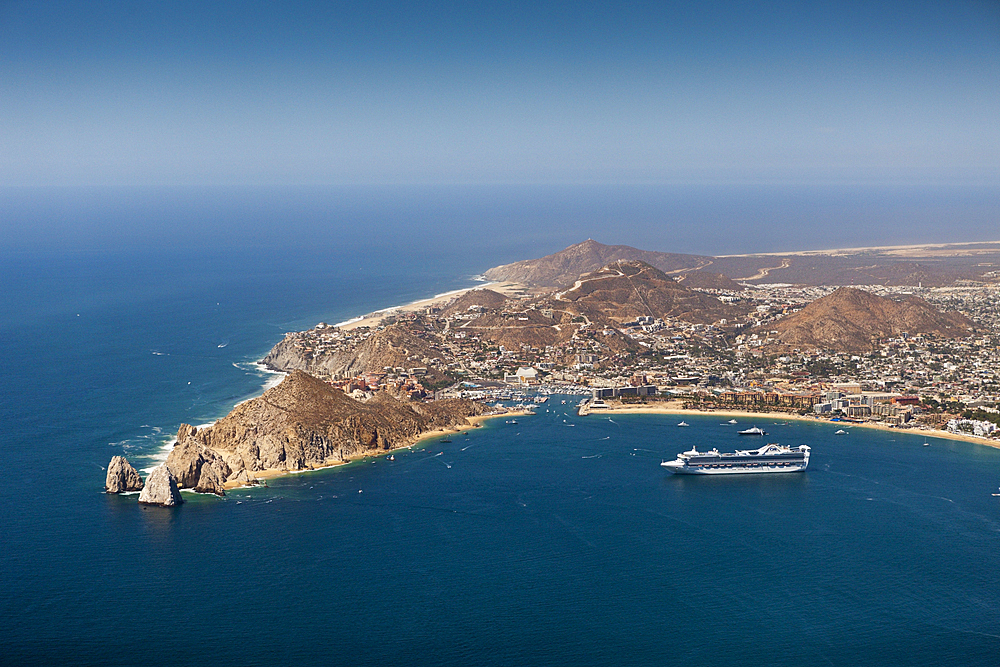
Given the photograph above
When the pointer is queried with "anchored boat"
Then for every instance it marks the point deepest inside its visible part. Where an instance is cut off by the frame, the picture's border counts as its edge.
(769, 458)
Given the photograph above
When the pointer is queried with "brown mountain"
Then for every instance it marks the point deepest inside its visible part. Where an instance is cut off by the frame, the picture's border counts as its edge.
(565, 266)
(604, 298)
(932, 265)
(624, 290)
(853, 320)
(303, 423)
(485, 298)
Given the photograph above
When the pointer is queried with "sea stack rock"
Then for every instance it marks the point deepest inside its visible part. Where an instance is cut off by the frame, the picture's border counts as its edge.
(122, 477)
(161, 488)
(197, 467)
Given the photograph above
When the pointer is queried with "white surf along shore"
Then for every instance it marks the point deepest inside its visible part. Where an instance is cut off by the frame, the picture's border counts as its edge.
(273, 378)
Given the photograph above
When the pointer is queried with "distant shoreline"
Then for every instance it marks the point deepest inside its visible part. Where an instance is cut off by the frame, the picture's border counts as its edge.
(901, 250)
(673, 409)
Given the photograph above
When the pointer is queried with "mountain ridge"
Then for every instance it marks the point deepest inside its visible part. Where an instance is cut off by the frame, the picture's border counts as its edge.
(930, 266)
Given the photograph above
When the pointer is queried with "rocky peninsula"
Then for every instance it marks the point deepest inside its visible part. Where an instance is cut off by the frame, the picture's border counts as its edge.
(628, 323)
(301, 424)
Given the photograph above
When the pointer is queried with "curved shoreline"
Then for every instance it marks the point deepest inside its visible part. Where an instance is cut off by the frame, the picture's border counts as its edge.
(507, 288)
(785, 416)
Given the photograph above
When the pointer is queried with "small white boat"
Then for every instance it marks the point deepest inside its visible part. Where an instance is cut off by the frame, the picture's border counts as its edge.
(732, 421)
(756, 430)
(927, 444)
(840, 432)
(684, 424)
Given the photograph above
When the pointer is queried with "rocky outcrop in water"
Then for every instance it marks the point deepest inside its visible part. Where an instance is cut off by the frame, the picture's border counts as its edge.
(161, 488)
(195, 466)
(122, 477)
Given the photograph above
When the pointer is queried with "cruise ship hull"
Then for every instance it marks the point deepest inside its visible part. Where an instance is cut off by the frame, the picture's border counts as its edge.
(735, 470)
(768, 459)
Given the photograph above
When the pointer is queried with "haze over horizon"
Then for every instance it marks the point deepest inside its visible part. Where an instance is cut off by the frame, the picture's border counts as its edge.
(309, 93)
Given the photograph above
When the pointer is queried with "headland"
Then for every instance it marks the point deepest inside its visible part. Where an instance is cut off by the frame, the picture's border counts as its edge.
(903, 338)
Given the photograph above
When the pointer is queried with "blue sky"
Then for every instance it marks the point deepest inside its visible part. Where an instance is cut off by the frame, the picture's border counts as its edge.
(127, 93)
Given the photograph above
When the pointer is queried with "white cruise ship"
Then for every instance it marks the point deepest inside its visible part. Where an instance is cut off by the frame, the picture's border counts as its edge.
(769, 458)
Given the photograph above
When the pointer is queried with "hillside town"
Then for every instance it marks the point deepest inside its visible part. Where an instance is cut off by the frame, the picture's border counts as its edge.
(913, 379)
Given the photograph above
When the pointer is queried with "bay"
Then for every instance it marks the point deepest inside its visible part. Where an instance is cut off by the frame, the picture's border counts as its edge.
(555, 541)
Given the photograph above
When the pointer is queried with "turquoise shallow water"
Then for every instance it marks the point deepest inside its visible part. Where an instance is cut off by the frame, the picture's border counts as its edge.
(556, 541)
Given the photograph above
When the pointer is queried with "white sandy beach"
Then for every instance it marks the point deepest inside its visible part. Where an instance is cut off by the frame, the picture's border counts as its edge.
(674, 408)
(508, 289)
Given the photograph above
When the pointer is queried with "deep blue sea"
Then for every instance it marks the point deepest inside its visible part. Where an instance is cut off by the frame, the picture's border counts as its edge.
(555, 541)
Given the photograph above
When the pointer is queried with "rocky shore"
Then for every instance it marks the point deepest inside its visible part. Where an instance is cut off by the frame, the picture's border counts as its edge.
(301, 424)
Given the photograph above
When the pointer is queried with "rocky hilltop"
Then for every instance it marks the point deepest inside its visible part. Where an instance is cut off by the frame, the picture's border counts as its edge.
(853, 320)
(302, 424)
(475, 298)
(401, 346)
(625, 290)
(566, 266)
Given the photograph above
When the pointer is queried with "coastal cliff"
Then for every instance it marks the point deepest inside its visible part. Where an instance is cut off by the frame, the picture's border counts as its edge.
(303, 424)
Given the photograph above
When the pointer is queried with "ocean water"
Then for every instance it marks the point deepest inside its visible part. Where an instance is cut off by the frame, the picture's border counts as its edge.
(555, 541)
